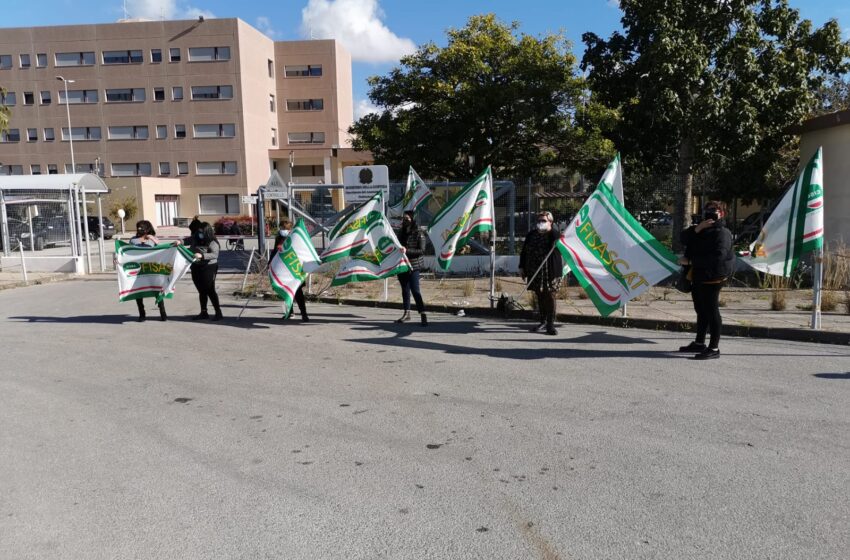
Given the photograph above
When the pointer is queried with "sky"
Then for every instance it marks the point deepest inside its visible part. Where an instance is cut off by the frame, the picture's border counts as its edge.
(376, 32)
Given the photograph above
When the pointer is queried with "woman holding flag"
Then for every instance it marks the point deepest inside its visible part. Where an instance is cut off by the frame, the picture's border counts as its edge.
(412, 241)
(542, 267)
(285, 230)
(146, 237)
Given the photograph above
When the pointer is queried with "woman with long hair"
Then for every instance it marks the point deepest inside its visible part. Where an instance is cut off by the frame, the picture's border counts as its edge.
(412, 242)
(205, 246)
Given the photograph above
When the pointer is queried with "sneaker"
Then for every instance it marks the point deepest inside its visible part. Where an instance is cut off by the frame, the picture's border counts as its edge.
(708, 354)
(201, 315)
(218, 316)
(423, 320)
(537, 328)
(551, 331)
(695, 347)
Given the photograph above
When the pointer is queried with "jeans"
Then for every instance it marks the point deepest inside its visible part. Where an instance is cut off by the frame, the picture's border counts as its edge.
(410, 283)
(706, 298)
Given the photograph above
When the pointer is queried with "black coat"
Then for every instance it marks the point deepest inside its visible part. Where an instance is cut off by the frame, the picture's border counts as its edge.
(535, 248)
(414, 242)
(710, 252)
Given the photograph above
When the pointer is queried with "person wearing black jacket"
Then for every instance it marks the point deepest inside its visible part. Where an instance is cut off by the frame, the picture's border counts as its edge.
(285, 230)
(412, 242)
(708, 253)
(538, 253)
(205, 246)
(146, 237)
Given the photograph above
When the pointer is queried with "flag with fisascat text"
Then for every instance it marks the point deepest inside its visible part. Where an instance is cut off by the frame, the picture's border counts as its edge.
(380, 258)
(795, 226)
(292, 263)
(150, 271)
(416, 193)
(613, 257)
(349, 235)
(469, 212)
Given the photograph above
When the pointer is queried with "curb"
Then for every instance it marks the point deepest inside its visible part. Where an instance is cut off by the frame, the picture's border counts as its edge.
(47, 280)
(794, 335)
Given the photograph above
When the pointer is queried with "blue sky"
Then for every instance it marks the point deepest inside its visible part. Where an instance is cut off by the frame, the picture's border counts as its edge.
(394, 26)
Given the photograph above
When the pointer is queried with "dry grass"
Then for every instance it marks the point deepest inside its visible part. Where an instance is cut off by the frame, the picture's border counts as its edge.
(582, 294)
(847, 302)
(498, 285)
(564, 292)
(469, 287)
(828, 301)
(530, 300)
(722, 302)
(778, 285)
(836, 267)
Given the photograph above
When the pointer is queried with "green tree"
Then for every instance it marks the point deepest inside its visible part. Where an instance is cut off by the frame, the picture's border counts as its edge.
(712, 85)
(833, 95)
(505, 99)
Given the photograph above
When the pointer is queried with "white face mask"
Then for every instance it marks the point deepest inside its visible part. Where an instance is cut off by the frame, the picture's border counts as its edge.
(543, 226)
(284, 233)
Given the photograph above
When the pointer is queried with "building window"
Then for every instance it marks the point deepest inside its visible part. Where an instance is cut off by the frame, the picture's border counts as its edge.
(165, 168)
(271, 68)
(308, 171)
(271, 103)
(5, 61)
(41, 60)
(174, 55)
(180, 131)
(303, 71)
(177, 93)
(29, 98)
(212, 92)
(82, 133)
(131, 169)
(225, 130)
(26, 62)
(51, 169)
(46, 98)
(8, 98)
(158, 94)
(85, 168)
(32, 135)
(305, 104)
(35, 169)
(49, 135)
(219, 203)
(122, 57)
(128, 132)
(216, 168)
(125, 95)
(11, 135)
(209, 54)
(76, 96)
(156, 56)
(161, 131)
(74, 59)
(274, 137)
(11, 169)
(182, 168)
(306, 137)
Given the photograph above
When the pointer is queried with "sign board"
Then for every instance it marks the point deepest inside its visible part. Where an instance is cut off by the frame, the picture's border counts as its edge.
(249, 200)
(361, 182)
(274, 195)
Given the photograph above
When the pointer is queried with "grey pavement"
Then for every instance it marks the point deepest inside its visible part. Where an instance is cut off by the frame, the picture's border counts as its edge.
(352, 437)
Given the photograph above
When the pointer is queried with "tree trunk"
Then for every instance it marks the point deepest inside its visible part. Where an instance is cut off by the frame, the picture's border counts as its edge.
(684, 198)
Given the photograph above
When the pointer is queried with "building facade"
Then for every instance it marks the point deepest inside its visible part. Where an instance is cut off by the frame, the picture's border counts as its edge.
(184, 116)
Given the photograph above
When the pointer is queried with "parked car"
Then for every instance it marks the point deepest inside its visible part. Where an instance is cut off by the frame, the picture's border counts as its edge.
(94, 231)
(45, 232)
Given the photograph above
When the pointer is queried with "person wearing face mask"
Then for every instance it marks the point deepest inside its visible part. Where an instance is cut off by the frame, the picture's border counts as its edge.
(538, 252)
(146, 237)
(708, 252)
(412, 241)
(206, 248)
(280, 238)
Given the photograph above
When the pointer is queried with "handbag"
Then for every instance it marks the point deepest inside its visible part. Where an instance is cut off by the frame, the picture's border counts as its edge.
(683, 282)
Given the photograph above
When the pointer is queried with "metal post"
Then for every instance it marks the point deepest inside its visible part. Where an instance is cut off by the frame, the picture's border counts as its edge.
(100, 236)
(23, 262)
(492, 245)
(817, 292)
(71, 227)
(511, 220)
(77, 220)
(261, 221)
(29, 222)
(528, 210)
(4, 226)
(384, 211)
(86, 231)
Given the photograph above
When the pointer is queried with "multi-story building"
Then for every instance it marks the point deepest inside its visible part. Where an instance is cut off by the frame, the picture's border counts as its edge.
(186, 116)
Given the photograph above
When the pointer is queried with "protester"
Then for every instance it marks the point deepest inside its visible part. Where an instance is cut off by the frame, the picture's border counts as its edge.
(538, 253)
(708, 253)
(205, 246)
(280, 238)
(412, 241)
(146, 237)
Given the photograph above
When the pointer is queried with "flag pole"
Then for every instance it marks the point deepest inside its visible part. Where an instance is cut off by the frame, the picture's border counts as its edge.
(384, 208)
(492, 242)
(817, 291)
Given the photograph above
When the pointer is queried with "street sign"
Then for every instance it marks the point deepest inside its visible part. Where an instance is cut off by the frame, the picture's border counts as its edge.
(249, 200)
(274, 195)
(361, 182)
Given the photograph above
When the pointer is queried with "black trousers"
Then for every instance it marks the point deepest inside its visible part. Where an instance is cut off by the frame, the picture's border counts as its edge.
(706, 299)
(301, 301)
(547, 301)
(141, 305)
(203, 276)
(410, 285)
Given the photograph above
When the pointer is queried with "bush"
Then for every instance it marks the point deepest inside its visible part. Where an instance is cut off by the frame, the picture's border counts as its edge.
(247, 225)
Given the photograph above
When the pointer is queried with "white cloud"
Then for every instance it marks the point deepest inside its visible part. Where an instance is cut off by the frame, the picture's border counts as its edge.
(163, 9)
(264, 25)
(357, 25)
(364, 107)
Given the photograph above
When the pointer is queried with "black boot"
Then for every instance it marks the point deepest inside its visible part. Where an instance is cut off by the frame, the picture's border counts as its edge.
(162, 314)
(538, 328)
(404, 318)
(141, 307)
(202, 315)
(218, 316)
(304, 317)
(424, 319)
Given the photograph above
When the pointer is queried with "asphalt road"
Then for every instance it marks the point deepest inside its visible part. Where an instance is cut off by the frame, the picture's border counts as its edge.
(351, 437)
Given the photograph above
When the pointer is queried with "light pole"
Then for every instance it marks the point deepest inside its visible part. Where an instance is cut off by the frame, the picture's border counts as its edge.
(68, 113)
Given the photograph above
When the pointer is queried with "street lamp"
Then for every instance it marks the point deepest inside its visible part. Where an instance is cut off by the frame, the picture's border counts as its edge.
(70, 130)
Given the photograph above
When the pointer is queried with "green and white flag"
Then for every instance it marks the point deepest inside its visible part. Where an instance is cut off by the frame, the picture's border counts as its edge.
(416, 193)
(613, 178)
(796, 225)
(614, 258)
(380, 258)
(349, 234)
(292, 263)
(470, 211)
(149, 271)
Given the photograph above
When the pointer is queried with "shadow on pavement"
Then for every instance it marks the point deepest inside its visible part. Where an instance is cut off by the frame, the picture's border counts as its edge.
(833, 375)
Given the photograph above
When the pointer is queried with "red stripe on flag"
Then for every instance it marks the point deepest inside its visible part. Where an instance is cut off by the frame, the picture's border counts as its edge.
(813, 233)
(141, 289)
(280, 283)
(603, 293)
